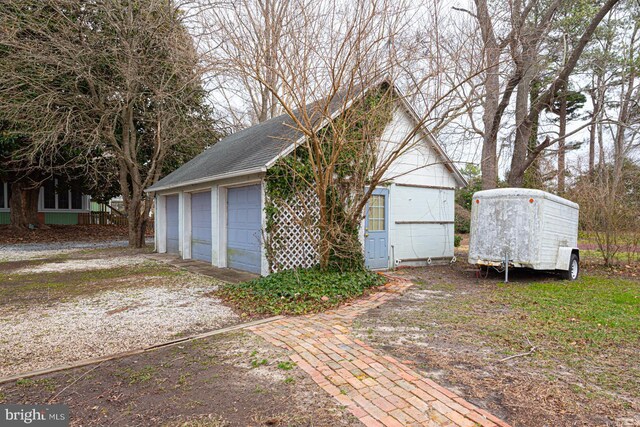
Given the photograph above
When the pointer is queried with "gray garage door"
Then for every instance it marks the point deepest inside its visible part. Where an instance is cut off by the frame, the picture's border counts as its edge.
(172, 224)
(243, 228)
(201, 226)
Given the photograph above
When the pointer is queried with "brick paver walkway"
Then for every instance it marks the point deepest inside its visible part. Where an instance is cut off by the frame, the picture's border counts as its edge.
(376, 388)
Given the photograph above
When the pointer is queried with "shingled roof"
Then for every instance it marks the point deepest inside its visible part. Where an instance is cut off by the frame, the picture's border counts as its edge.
(249, 150)
(254, 149)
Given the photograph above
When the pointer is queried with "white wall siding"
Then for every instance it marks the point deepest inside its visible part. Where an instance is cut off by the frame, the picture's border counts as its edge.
(160, 224)
(181, 223)
(186, 225)
(422, 204)
(215, 225)
(421, 199)
(420, 164)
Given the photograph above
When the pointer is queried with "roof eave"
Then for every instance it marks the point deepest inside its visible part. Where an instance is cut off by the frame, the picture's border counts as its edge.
(218, 177)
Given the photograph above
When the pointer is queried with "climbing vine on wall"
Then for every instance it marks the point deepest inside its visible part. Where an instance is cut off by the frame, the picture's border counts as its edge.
(348, 149)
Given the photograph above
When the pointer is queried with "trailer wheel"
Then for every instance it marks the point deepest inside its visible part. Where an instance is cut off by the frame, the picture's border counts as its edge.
(574, 268)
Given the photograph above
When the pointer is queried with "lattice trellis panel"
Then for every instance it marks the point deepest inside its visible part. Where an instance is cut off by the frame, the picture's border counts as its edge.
(294, 236)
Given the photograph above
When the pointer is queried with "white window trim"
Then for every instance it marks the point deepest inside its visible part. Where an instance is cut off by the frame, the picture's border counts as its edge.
(85, 207)
(86, 202)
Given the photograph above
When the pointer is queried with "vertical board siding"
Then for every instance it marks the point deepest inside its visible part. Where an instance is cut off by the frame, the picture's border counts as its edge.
(559, 229)
(5, 218)
(419, 241)
(61, 218)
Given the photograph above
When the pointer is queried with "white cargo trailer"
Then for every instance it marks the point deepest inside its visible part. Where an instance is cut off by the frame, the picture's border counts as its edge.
(520, 227)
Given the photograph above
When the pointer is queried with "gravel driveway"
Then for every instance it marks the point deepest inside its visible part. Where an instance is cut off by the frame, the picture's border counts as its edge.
(75, 301)
(27, 251)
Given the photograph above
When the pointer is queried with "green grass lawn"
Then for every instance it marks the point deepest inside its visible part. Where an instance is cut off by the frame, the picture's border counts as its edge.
(593, 312)
(621, 257)
(590, 327)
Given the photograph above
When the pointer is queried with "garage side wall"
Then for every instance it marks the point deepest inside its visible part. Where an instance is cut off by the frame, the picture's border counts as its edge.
(421, 224)
(421, 198)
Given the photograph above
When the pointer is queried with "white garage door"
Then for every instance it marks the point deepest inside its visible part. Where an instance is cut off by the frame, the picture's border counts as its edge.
(173, 244)
(201, 226)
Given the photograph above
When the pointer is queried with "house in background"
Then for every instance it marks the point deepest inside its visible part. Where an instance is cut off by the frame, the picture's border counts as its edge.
(213, 207)
(53, 207)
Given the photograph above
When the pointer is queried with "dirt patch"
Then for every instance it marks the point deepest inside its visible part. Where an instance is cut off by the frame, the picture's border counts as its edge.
(107, 323)
(59, 251)
(96, 302)
(458, 329)
(236, 379)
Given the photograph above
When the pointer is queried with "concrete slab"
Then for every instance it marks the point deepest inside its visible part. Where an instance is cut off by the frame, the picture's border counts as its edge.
(228, 275)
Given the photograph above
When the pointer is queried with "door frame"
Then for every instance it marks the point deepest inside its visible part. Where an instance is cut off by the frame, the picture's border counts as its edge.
(383, 191)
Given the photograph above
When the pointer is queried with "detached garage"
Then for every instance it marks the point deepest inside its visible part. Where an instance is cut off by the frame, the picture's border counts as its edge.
(213, 207)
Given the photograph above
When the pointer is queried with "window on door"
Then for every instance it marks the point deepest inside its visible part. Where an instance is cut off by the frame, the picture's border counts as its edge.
(376, 213)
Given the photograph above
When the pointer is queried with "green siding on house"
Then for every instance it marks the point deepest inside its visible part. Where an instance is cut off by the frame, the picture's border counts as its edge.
(62, 218)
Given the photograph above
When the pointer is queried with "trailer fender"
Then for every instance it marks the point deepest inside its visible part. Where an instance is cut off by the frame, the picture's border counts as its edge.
(564, 257)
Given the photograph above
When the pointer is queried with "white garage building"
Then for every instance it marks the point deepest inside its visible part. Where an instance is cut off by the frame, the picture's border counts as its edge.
(212, 208)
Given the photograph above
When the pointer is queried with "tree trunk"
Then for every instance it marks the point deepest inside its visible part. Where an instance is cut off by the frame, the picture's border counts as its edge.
(18, 214)
(137, 219)
(31, 197)
(24, 206)
(523, 126)
(533, 175)
(489, 160)
(519, 165)
(592, 146)
(562, 132)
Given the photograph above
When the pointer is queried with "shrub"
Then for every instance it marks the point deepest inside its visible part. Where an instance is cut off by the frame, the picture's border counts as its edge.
(299, 291)
(462, 220)
(456, 240)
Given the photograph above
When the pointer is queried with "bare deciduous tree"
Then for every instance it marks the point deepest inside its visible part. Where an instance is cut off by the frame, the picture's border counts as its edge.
(331, 77)
(116, 79)
(517, 51)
